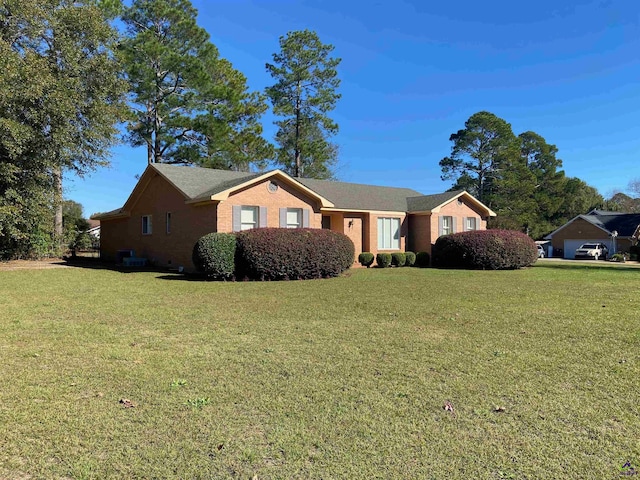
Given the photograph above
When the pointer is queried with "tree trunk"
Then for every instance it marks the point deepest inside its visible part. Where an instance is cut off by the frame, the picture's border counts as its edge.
(57, 202)
(298, 167)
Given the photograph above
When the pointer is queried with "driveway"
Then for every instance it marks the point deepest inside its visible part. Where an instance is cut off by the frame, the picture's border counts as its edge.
(595, 263)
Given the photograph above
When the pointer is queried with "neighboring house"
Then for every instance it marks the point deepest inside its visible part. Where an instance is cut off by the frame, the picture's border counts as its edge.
(172, 206)
(597, 226)
(94, 228)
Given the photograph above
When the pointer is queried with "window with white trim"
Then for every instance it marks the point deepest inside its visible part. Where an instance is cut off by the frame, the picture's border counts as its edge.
(146, 225)
(388, 233)
(168, 217)
(471, 223)
(294, 217)
(248, 218)
(447, 225)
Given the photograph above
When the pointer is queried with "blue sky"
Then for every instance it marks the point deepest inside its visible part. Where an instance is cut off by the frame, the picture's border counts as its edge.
(414, 71)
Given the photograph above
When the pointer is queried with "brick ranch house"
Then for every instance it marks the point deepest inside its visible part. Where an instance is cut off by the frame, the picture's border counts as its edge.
(171, 207)
(597, 226)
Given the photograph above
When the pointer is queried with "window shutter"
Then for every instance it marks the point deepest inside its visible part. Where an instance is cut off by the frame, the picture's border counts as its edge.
(439, 226)
(283, 218)
(305, 218)
(237, 213)
(453, 224)
(464, 224)
(263, 217)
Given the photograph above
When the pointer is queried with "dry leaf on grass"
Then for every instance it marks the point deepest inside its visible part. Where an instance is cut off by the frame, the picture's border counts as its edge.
(448, 407)
(126, 403)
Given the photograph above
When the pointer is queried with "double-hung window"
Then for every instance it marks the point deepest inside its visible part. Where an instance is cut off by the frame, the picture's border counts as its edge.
(388, 233)
(447, 225)
(294, 217)
(248, 218)
(471, 223)
(146, 225)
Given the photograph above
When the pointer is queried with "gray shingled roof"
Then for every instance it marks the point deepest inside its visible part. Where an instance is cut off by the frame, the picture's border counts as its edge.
(624, 223)
(356, 196)
(425, 203)
(196, 183)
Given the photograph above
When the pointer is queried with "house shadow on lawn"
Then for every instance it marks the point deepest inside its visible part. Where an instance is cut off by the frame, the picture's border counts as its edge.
(97, 264)
(184, 277)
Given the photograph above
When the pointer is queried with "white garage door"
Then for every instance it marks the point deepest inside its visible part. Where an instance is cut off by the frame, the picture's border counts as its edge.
(570, 246)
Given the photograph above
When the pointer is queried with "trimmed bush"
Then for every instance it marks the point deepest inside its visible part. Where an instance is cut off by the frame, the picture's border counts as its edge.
(619, 257)
(366, 259)
(410, 259)
(398, 259)
(422, 259)
(485, 250)
(292, 253)
(214, 255)
(383, 260)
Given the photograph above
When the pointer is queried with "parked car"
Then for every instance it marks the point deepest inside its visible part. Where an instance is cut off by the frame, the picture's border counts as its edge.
(540, 251)
(592, 250)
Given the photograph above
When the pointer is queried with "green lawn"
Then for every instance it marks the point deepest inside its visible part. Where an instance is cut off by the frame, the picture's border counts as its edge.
(340, 378)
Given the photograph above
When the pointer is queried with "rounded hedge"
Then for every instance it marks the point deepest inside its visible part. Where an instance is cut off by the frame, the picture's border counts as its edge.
(398, 259)
(214, 255)
(366, 259)
(485, 250)
(292, 253)
(423, 259)
(383, 260)
(410, 259)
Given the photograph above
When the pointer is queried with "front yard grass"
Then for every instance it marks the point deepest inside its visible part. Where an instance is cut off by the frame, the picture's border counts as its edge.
(339, 378)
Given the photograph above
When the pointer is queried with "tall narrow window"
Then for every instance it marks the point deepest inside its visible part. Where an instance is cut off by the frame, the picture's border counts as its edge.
(388, 233)
(168, 222)
(146, 225)
(447, 225)
(248, 218)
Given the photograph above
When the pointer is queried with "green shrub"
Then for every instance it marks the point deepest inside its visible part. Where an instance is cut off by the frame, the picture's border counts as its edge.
(618, 257)
(410, 259)
(398, 259)
(366, 259)
(422, 259)
(485, 250)
(383, 260)
(292, 253)
(214, 255)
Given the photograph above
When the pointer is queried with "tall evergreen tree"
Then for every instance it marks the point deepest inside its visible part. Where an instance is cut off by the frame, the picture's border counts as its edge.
(518, 177)
(304, 93)
(188, 105)
(60, 110)
(480, 153)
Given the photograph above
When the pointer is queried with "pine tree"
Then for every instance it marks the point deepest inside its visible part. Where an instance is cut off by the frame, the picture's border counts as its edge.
(188, 105)
(304, 94)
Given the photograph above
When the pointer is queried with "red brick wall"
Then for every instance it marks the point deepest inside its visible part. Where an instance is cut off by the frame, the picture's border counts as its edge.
(188, 224)
(259, 196)
(424, 229)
